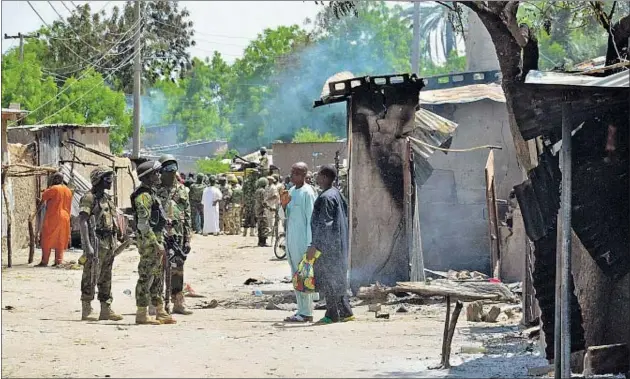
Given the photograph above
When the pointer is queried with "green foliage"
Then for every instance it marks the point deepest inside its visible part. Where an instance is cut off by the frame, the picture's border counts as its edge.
(82, 100)
(305, 135)
(568, 32)
(212, 166)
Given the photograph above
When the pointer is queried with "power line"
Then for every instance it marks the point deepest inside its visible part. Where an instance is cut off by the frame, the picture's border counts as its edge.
(66, 46)
(63, 90)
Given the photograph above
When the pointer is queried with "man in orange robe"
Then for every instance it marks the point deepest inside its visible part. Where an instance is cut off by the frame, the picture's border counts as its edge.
(55, 231)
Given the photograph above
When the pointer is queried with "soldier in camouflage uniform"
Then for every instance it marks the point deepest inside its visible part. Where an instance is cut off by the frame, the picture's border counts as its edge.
(174, 199)
(263, 213)
(195, 194)
(100, 205)
(224, 204)
(249, 189)
(234, 211)
(150, 222)
(264, 161)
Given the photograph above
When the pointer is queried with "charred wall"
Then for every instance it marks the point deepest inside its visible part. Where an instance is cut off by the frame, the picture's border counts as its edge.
(381, 116)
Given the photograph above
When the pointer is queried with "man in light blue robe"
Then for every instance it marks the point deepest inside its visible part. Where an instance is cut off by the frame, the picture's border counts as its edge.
(298, 235)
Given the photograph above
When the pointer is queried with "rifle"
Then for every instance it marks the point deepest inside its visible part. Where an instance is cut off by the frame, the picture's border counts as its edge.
(172, 252)
(94, 269)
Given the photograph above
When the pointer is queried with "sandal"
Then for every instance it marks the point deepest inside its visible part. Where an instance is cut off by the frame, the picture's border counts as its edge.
(41, 264)
(349, 318)
(324, 321)
(299, 318)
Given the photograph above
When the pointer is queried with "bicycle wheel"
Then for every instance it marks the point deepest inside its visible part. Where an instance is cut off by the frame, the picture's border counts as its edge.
(280, 247)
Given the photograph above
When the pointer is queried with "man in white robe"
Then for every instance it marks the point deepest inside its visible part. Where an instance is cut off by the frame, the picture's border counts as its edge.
(210, 200)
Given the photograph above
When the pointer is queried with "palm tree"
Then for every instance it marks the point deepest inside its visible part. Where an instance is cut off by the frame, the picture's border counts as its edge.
(436, 28)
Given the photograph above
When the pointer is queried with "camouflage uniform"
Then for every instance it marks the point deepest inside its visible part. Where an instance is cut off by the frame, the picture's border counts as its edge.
(249, 189)
(235, 207)
(148, 211)
(176, 206)
(224, 207)
(195, 195)
(105, 219)
(262, 210)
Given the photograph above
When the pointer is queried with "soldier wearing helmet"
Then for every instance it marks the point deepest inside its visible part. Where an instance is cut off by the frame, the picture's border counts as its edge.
(224, 203)
(195, 195)
(98, 216)
(150, 221)
(233, 224)
(264, 161)
(263, 212)
(176, 204)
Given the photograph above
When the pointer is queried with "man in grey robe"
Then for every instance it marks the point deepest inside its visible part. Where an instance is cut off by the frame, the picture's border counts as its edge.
(329, 227)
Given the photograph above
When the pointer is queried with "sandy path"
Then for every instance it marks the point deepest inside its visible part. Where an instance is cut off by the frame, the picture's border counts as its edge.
(43, 337)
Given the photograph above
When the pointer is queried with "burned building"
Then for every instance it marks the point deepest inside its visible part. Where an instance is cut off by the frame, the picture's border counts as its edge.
(382, 114)
(599, 120)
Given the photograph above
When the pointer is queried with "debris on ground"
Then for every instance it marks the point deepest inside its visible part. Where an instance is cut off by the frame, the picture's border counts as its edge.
(382, 315)
(271, 306)
(493, 314)
(256, 281)
(374, 307)
(190, 292)
(209, 304)
(9, 307)
(474, 312)
(402, 309)
(70, 265)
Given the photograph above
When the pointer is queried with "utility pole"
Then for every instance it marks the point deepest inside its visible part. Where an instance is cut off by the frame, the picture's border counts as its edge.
(21, 37)
(415, 47)
(137, 83)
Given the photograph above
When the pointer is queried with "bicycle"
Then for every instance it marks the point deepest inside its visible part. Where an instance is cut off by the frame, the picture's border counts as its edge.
(279, 245)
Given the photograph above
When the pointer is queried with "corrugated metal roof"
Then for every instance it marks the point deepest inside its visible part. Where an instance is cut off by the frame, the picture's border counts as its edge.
(80, 185)
(16, 111)
(345, 75)
(464, 94)
(35, 128)
(618, 80)
(432, 129)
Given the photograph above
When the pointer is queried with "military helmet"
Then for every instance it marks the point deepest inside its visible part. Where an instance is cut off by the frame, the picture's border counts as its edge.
(147, 168)
(231, 178)
(262, 182)
(98, 173)
(263, 149)
(271, 179)
(168, 162)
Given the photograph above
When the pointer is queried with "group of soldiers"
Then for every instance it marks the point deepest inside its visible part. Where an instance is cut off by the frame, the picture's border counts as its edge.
(229, 206)
(166, 214)
(162, 216)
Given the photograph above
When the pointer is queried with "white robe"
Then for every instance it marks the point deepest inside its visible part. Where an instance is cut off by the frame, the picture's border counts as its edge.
(211, 212)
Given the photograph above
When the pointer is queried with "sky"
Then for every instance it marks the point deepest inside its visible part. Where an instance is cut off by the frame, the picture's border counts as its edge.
(224, 26)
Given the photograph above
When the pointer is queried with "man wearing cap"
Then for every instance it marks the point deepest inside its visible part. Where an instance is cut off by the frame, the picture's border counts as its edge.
(176, 206)
(224, 203)
(264, 161)
(97, 217)
(150, 222)
(234, 213)
(262, 210)
(195, 194)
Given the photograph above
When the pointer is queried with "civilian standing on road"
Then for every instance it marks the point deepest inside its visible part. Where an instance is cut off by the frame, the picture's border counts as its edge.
(298, 236)
(329, 225)
(210, 201)
(55, 231)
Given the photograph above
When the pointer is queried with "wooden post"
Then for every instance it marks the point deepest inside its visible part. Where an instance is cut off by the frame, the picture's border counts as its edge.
(31, 241)
(9, 221)
(447, 322)
(562, 327)
(451, 332)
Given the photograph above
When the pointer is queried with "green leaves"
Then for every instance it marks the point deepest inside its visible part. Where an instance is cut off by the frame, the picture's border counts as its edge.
(307, 135)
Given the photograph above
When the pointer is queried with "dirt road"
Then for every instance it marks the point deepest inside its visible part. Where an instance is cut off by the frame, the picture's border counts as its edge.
(43, 337)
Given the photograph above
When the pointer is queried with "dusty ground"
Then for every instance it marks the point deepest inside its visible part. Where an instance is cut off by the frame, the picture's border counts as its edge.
(43, 337)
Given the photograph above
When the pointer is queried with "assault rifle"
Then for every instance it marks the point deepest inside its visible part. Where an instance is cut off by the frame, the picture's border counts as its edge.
(172, 252)
(94, 269)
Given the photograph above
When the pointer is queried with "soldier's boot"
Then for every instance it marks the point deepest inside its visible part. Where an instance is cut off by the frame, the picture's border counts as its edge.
(252, 232)
(86, 311)
(244, 232)
(143, 318)
(263, 242)
(152, 310)
(162, 316)
(179, 304)
(108, 314)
